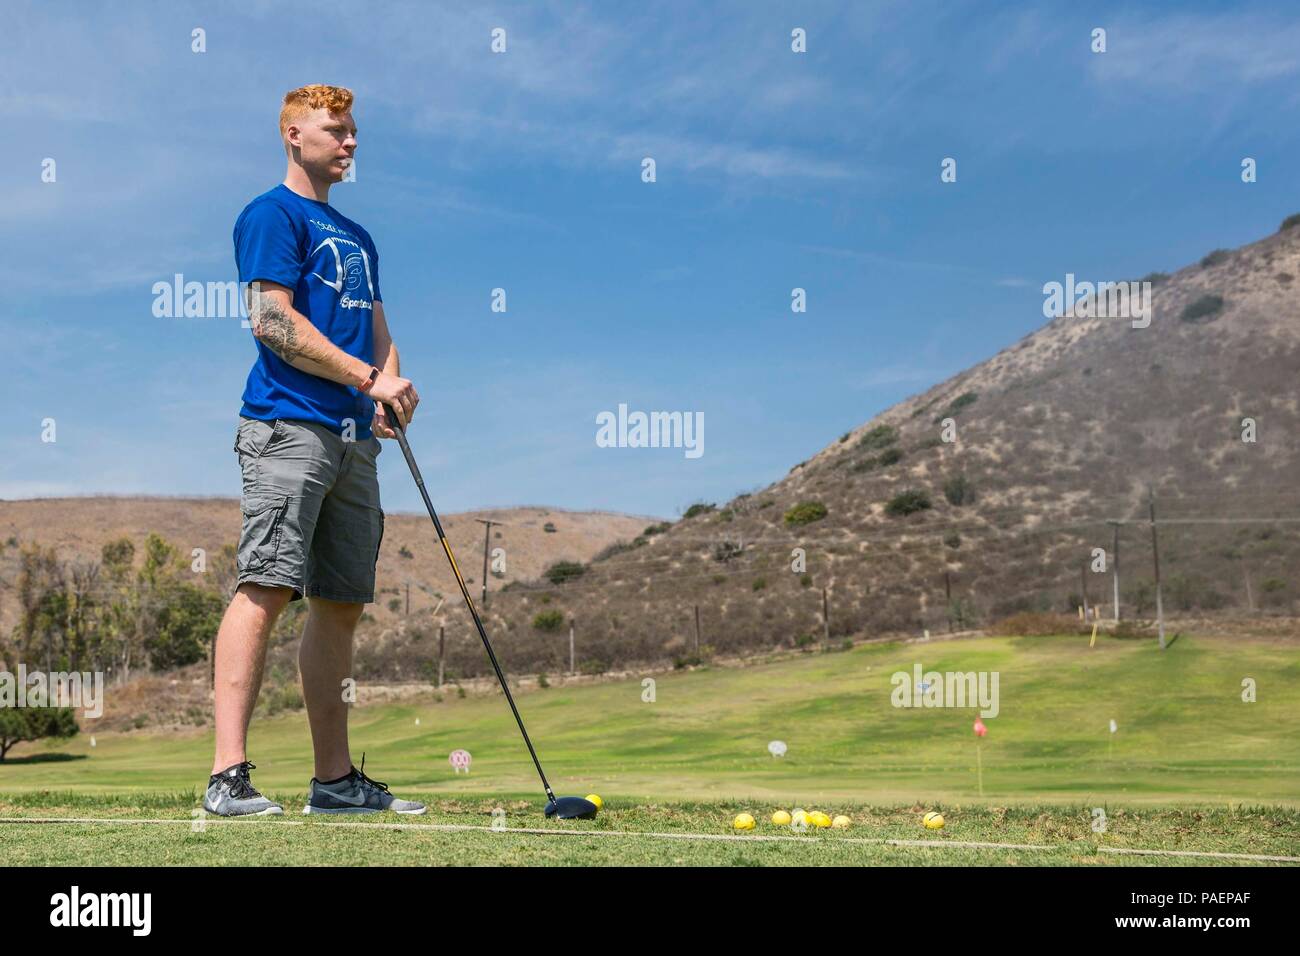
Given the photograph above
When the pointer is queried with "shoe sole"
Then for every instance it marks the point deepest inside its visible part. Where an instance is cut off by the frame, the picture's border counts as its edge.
(268, 812)
(309, 809)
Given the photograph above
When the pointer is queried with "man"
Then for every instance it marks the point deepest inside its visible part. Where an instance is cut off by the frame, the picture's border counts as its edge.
(313, 406)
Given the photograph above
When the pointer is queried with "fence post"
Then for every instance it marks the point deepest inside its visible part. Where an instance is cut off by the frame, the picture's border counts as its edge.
(1155, 554)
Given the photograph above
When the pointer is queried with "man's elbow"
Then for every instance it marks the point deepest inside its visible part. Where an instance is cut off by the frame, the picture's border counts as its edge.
(274, 328)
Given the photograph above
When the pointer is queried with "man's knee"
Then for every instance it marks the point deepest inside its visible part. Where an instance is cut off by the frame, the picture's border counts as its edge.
(270, 599)
(343, 612)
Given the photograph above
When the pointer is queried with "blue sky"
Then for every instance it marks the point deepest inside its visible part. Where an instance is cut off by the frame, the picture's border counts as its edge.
(521, 170)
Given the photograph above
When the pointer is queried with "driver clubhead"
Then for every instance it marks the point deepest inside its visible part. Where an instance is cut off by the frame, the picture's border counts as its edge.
(571, 808)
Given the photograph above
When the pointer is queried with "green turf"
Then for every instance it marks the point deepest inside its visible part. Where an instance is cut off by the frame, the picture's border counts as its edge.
(628, 835)
(698, 753)
(1185, 736)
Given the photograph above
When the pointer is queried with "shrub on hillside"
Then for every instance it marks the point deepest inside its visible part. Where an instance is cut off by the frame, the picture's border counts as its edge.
(1156, 278)
(964, 400)
(1217, 257)
(1202, 309)
(549, 528)
(699, 508)
(1290, 222)
(908, 502)
(562, 571)
(882, 436)
(890, 456)
(958, 490)
(551, 620)
(725, 551)
(805, 512)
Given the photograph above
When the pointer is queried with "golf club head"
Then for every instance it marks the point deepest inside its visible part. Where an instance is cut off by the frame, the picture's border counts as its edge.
(571, 808)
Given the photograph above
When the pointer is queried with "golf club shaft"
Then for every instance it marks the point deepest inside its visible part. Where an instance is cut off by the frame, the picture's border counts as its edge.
(469, 601)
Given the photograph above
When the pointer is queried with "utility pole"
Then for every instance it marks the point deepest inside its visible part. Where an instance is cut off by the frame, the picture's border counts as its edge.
(408, 598)
(487, 538)
(1114, 566)
(1155, 553)
(572, 669)
(826, 617)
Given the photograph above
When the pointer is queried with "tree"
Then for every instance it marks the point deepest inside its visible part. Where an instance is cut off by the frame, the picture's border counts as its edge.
(121, 634)
(182, 626)
(39, 579)
(19, 724)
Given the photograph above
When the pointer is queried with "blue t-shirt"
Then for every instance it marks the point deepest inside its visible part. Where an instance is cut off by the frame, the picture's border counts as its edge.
(332, 267)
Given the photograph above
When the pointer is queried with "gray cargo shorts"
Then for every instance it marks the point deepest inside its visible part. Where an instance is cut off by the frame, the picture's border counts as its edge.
(312, 520)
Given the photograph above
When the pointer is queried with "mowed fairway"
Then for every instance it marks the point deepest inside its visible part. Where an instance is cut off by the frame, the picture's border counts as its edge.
(1189, 768)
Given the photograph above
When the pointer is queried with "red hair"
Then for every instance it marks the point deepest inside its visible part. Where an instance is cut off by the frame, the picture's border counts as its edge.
(302, 101)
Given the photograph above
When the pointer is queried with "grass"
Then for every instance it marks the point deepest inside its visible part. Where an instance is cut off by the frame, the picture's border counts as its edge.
(1192, 766)
(460, 832)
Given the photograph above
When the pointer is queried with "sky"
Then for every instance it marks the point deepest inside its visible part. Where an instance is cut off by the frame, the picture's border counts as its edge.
(522, 170)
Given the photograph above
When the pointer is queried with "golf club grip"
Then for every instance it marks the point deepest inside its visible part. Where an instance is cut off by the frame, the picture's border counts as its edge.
(393, 419)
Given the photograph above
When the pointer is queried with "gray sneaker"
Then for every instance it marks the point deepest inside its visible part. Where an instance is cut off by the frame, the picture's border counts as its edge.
(231, 794)
(356, 793)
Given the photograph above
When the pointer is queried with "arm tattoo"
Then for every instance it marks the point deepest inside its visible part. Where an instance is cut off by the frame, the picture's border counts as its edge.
(276, 331)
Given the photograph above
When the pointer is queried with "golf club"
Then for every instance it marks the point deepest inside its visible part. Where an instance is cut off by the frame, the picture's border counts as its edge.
(566, 808)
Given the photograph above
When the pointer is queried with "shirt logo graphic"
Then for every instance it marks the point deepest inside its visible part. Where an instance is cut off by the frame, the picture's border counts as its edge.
(349, 266)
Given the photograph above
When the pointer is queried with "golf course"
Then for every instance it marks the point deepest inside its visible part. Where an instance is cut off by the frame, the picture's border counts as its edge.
(1190, 768)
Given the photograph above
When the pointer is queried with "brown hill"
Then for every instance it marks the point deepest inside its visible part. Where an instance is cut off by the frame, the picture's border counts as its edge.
(1056, 435)
(79, 527)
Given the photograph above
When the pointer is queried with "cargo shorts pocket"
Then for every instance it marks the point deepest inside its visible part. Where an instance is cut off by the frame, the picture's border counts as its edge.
(380, 542)
(259, 541)
(254, 436)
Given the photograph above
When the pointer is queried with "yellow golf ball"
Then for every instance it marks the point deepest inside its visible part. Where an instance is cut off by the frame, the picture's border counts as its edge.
(743, 821)
(819, 819)
(841, 822)
(781, 818)
(594, 798)
(933, 821)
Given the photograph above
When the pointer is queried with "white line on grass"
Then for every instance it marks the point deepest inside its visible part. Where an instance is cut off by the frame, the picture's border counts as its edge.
(464, 827)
